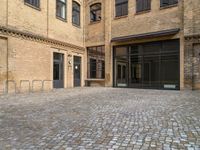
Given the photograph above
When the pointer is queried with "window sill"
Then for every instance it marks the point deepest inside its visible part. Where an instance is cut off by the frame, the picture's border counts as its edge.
(142, 12)
(169, 6)
(94, 22)
(62, 19)
(94, 79)
(34, 7)
(78, 26)
(120, 17)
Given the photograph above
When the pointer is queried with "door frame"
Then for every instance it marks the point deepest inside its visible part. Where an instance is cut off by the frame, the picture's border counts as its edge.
(63, 70)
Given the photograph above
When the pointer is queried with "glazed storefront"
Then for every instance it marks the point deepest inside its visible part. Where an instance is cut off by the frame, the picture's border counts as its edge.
(148, 65)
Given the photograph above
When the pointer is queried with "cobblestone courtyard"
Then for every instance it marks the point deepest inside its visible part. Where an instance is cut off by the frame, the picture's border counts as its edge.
(101, 118)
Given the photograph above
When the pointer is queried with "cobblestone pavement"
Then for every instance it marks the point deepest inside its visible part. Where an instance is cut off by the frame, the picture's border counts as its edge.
(101, 118)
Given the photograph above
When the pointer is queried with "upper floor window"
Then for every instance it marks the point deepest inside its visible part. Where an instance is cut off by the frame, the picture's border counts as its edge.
(121, 8)
(61, 9)
(164, 3)
(35, 3)
(143, 5)
(95, 12)
(76, 13)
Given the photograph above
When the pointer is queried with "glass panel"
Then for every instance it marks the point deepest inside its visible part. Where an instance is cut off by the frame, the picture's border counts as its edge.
(56, 71)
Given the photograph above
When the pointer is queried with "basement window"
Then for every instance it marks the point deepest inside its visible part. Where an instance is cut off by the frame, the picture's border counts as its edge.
(34, 3)
(61, 9)
(95, 12)
(143, 5)
(96, 62)
(121, 8)
(165, 3)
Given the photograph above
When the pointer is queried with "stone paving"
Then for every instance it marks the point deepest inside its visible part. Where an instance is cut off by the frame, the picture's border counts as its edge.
(101, 118)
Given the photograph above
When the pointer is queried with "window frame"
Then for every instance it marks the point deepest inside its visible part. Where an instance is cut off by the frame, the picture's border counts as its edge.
(93, 53)
(28, 3)
(77, 11)
(121, 6)
(65, 4)
(168, 5)
(143, 9)
(100, 9)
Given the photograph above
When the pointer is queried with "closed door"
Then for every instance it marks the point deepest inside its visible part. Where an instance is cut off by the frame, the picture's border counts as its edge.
(121, 72)
(77, 71)
(58, 70)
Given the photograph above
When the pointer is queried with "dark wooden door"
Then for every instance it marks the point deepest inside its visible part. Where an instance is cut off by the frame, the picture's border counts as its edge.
(77, 71)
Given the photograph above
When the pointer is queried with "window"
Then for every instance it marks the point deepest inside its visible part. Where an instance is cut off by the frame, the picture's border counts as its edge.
(96, 62)
(95, 12)
(143, 5)
(35, 3)
(164, 3)
(76, 13)
(61, 9)
(121, 8)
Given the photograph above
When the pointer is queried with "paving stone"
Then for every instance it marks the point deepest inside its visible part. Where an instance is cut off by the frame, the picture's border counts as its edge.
(101, 118)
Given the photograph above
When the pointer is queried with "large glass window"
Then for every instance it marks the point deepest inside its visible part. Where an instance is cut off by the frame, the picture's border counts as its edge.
(95, 12)
(61, 9)
(121, 8)
(96, 62)
(164, 3)
(150, 65)
(143, 5)
(35, 3)
(76, 13)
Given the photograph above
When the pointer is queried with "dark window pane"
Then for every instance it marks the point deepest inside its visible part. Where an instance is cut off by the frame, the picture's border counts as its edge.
(143, 5)
(61, 8)
(95, 12)
(76, 13)
(121, 8)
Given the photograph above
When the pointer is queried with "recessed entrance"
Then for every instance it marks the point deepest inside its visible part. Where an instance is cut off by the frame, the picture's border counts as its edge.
(149, 65)
(58, 70)
(77, 71)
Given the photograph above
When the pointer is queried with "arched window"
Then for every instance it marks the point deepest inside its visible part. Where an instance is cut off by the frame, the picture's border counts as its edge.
(76, 13)
(95, 12)
(121, 8)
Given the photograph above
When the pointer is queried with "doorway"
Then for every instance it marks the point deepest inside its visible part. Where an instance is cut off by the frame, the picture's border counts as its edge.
(77, 71)
(58, 70)
(121, 74)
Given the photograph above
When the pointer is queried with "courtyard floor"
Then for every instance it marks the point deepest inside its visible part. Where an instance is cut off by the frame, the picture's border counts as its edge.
(101, 118)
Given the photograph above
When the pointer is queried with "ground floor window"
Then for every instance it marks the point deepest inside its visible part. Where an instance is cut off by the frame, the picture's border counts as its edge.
(96, 62)
(148, 65)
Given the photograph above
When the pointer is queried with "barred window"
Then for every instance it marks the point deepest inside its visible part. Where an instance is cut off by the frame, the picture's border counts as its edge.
(61, 9)
(96, 62)
(121, 8)
(76, 13)
(95, 12)
(164, 3)
(35, 3)
(143, 5)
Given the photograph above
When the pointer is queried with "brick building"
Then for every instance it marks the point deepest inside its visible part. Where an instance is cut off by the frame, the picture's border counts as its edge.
(122, 43)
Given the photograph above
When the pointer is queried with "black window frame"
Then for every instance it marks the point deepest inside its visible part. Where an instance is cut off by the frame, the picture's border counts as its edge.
(63, 4)
(143, 5)
(93, 12)
(119, 6)
(33, 3)
(77, 13)
(96, 56)
(168, 3)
